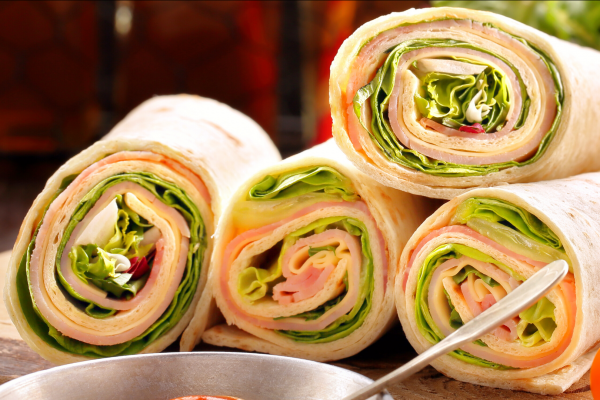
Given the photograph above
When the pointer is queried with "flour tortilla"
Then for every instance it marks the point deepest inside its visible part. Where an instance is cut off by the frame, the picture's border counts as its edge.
(395, 213)
(218, 144)
(572, 151)
(569, 207)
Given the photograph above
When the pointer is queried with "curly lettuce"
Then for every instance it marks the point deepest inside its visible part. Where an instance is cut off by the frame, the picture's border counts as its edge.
(96, 265)
(537, 323)
(302, 181)
(447, 98)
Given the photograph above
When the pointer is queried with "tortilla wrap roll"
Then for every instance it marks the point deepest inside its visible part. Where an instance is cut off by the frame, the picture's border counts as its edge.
(112, 257)
(480, 246)
(436, 101)
(306, 255)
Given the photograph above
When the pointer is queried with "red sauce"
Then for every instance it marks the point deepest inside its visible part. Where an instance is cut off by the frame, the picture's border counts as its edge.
(207, 398)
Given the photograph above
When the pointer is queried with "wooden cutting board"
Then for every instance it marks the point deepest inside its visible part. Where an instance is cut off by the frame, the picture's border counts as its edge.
(391, 351)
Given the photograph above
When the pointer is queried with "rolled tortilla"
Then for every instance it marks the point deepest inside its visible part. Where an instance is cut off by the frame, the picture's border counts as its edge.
(112, 257)
(440, 100)
(480, 246)
(305, 255)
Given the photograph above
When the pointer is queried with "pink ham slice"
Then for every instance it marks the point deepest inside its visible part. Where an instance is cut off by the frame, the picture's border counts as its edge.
(508, 331)
(312, 280)
(474, 306)
(89, 291)
(372, 55)
(300, 287)
(234, 248)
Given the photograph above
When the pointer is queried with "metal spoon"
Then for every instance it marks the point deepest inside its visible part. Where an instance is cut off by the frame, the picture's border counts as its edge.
(528, 293)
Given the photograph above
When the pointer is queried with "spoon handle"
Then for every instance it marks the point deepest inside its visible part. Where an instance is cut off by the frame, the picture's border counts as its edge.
(528, 293)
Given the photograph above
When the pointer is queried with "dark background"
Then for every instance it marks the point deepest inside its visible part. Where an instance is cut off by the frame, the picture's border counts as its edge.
(69, 70)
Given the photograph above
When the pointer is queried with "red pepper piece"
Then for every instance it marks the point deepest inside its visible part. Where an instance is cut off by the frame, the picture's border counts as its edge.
(475, 128)
(139, 266)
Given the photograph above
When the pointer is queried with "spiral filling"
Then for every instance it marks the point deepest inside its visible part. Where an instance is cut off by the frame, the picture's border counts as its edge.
(453, 98)
(116, 258)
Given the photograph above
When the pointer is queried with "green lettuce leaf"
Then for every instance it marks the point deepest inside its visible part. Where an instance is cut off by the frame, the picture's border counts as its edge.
(129, 232)
(455, 319)
(302, 181)
(537, 323)
(378, 93)
(101, 273)
(447, 97)
(468, 270)
(315, 250)
(170, 195)
(93, 265)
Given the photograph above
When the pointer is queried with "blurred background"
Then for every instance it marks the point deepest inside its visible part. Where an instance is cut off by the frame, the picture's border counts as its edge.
(69, 70)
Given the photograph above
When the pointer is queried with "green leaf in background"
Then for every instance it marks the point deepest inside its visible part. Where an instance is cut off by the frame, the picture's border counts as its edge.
(575, 21)
(377, 94)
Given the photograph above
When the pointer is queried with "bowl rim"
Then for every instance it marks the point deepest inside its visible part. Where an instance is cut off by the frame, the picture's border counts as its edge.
(24, 380)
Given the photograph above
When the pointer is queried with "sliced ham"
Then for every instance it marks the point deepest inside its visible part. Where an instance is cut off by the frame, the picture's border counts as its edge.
(508, 331)
(234, 248)
(488, 301)
(474, 306)
(311, 280)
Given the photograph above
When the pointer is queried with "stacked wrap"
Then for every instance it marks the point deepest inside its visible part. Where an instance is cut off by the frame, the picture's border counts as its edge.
(439, 100)
(305, 258)
(480, 246)
(112, 257)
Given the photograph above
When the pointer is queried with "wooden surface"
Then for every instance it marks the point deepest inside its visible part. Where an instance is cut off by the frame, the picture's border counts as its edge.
(391, 351)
